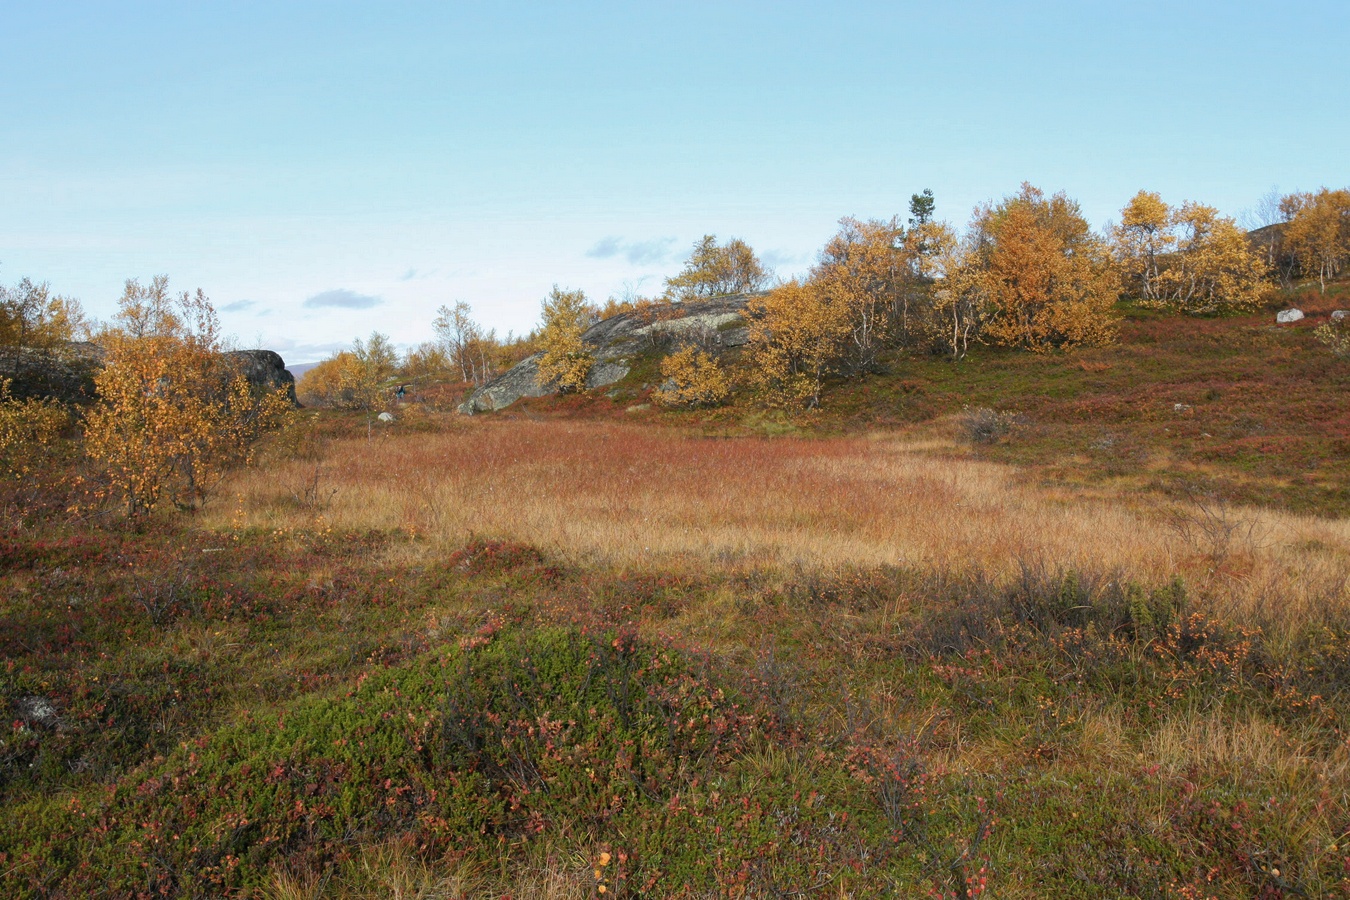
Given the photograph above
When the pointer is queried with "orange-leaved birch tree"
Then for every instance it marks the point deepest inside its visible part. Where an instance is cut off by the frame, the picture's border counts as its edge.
(798, 335)
(173, 411)
(1046, 279)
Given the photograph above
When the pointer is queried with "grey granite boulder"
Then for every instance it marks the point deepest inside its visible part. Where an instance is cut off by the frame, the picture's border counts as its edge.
(1286, 316)
(718, 323)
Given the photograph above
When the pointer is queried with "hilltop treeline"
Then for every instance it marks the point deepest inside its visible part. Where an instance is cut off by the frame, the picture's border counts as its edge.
(1027, 272)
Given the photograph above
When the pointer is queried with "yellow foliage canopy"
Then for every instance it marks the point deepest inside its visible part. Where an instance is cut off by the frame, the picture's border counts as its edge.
(28, 428)
(1318, 234)
(1188, 257)
(565, 361)
(695, 379)
(359, 378)
(329, 383)
(716, 271)
(173, 411)
(865, 268)
(33, 319)
(798, 335)
(1046, 279)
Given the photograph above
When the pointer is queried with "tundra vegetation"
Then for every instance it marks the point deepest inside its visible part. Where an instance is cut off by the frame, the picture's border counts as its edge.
(1006, 562)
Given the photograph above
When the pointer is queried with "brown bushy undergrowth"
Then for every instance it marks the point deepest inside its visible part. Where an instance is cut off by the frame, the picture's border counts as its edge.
(637, 496)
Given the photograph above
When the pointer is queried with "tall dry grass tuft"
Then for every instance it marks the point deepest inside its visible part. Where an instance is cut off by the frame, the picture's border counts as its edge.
(392, 871)
(637, 496)
(1218, 741)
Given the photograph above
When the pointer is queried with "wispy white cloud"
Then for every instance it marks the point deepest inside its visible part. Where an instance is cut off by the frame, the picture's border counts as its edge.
(342, 299)
(778, 259)
(638, 253)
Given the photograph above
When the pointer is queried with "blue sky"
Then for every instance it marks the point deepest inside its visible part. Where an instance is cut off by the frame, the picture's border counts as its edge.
(325, 169)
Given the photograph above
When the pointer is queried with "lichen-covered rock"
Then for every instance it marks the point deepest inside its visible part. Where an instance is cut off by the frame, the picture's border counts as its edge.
(1285, 316)
(1340, 315)
(521, 380)
(719, 323)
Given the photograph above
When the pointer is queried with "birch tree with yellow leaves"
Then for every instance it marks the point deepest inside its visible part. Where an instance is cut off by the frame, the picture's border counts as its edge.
(1318, 233)
(1189, 258)
(173, 411)
(565, 361)
(1044, 279)
(799, 334)
(863, 269)
(714, 270)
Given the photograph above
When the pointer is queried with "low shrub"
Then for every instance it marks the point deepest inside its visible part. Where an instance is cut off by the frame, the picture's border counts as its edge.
(982, 425)
(500, 741)
(693, 378)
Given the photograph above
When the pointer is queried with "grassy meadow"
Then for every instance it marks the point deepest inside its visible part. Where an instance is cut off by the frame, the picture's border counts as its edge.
(588, 648)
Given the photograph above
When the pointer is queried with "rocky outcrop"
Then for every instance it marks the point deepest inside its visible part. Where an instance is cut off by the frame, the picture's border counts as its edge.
(67, 372)
(718, 323)
(1286, 316)
(265, 369)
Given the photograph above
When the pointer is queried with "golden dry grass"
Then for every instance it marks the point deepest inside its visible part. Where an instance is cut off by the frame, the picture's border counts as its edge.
(637, 496)
(392, 871)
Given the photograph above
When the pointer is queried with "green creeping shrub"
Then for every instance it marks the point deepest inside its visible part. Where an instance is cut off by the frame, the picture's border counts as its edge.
(548, 738)
(536, 721)
(1152, 612)
(497, 742)
(72, 729)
